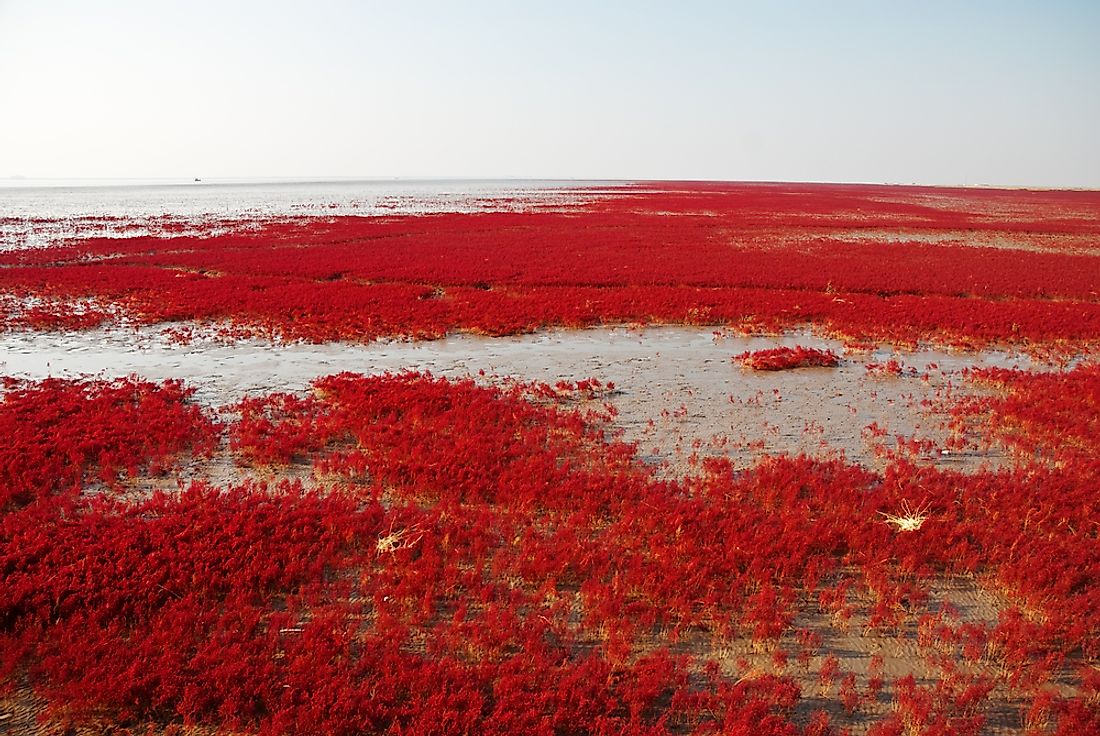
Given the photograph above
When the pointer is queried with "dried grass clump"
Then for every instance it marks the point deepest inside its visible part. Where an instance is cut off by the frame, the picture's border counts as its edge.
(909, 520)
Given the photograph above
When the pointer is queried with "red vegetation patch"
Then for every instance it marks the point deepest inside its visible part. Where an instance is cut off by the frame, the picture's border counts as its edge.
(1053, 416)
(59, 434)
(899, 264)
(892, 368)
(274, 429)
(487, 561)
(781, 359)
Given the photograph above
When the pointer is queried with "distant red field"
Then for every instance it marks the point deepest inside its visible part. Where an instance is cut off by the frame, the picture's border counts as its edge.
(899, 264)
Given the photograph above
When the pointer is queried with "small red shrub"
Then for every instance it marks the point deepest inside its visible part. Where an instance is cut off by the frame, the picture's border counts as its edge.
(781, 359)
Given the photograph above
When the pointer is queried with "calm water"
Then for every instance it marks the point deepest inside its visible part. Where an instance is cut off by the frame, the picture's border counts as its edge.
(34, 214)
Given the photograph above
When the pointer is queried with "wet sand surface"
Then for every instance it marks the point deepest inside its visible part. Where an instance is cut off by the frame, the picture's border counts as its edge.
(678, 393)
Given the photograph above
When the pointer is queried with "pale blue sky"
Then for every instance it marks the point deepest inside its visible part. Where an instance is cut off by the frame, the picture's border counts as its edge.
(930, 92)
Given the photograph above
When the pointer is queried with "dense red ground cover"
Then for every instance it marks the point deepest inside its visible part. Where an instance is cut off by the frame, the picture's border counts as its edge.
(56, 432)
(486, 559)
(893, 263)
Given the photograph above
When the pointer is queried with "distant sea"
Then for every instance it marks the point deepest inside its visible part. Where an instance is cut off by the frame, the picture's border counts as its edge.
(36, 213)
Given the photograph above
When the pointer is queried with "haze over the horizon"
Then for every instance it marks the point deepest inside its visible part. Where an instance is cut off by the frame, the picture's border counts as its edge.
(1003, 93)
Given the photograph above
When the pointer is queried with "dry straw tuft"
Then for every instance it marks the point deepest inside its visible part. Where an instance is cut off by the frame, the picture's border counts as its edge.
(909, 520)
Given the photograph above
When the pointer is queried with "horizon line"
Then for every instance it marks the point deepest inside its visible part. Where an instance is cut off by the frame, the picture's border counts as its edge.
(16, 181)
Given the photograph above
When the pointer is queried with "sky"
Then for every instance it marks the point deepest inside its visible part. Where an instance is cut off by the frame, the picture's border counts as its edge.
(1004, 93)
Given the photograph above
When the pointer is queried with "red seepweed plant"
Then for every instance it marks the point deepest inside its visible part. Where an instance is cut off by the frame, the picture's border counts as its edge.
(784, 358)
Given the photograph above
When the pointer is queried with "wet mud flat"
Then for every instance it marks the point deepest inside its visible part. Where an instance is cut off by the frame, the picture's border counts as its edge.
(678, 392)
